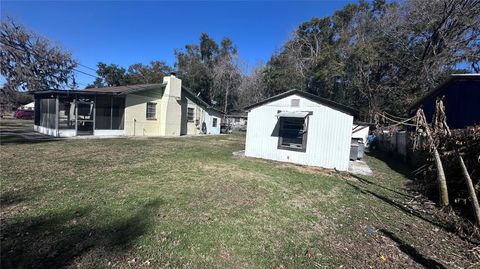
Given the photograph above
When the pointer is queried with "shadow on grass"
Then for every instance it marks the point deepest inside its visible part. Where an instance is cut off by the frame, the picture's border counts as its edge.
(402, 207)
(413, 252)
(366, 181)
(54, 241)
(19, 138)
(10, 198)
(395, 164)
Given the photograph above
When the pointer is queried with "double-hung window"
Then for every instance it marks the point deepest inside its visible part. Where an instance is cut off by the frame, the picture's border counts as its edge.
(214, 122)
(293, 133)
(151, 111)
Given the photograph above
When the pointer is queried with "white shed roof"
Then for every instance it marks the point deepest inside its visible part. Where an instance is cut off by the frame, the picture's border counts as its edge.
(311, 97)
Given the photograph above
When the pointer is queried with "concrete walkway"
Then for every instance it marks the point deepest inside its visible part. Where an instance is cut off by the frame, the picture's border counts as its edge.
(359, 167)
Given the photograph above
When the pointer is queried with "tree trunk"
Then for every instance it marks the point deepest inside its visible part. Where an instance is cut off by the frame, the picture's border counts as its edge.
(471, 189)
(226, 102)
(442, 120)
(442, 180)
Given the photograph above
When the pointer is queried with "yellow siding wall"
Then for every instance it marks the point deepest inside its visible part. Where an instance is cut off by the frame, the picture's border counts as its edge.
(136, 123)
(171, 108)
(195, 127)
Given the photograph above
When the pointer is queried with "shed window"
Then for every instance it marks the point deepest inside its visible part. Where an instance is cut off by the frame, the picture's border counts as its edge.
(237, 119)
(190, 114)
(214, 122)
(292, 134)
(151, 111)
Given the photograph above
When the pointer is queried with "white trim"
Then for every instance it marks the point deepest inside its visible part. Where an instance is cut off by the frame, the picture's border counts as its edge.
(292, 114)
(45, 130)
(108, 132)
(66, 133)
(72, 133)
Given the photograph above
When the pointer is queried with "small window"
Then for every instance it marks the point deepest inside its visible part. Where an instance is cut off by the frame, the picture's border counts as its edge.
(292, 134)
(237, 119)
(190, 114)
(295, 103)
(214, 123)
(151, 111)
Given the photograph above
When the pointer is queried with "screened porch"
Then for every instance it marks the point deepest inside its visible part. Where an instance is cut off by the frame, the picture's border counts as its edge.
(75, 113)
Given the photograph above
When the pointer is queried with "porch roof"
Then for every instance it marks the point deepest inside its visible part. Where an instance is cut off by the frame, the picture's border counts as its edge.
(118, 90)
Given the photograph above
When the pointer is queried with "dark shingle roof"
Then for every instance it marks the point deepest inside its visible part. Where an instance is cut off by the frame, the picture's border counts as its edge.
(450, 79)
(125, 89)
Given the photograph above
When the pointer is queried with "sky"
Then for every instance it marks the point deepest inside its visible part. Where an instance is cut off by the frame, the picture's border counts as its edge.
(125, 33)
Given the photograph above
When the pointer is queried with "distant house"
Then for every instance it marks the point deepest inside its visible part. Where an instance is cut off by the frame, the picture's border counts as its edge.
(165, 109)
(29, 106)
(237, 120)
(461, 98)
(301, 128)
(361, 130)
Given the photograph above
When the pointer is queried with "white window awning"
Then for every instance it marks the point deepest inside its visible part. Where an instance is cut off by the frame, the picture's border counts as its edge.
(292, 114)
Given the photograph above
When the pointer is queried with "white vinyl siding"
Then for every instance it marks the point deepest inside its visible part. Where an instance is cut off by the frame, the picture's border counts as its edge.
(329, 133)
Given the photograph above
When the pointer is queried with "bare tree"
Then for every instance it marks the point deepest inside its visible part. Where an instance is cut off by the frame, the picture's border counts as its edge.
(30, 62)
(252, 88)
(428, 37)
(226, 80)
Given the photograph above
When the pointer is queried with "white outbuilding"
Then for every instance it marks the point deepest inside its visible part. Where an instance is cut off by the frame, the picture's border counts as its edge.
(301, 128)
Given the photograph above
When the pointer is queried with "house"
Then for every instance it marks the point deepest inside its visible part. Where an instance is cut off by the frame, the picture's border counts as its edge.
(461, 94)
(29, 106)
(301, 128)
(361, 130)
(237, 120)
(165, 109)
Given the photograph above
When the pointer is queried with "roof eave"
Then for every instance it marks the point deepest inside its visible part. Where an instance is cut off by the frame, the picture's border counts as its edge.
(431, 93)
(200, 100)
(314, 98)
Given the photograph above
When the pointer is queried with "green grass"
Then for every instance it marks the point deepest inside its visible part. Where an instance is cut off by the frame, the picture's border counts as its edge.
(188, 203)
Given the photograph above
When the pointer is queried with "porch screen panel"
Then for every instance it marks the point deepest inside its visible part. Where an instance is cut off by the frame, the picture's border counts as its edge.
(52, 113)
(66, 112)
(118, 109)
(37, 111)
(102, 112)
(43, 112)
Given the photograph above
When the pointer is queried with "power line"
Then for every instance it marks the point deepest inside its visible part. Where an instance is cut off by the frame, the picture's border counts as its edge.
(85, 73)
(402, 122)
(87, 67)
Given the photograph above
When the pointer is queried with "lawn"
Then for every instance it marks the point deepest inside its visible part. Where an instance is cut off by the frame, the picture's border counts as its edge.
(188, 203)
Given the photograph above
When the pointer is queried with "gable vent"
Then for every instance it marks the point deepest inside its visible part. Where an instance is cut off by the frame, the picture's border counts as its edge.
(295, 103)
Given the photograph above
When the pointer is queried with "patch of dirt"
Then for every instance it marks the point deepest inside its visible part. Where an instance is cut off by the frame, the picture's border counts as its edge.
(231, 171)
(309, 169)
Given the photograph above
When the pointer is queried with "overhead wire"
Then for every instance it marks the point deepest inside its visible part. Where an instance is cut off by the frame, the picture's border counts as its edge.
(403, 122)
(74, 69)
(394, 116)
(82, 65)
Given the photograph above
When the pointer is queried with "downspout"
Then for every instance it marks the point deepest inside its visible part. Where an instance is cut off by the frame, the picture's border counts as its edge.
(134, 127)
